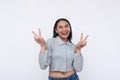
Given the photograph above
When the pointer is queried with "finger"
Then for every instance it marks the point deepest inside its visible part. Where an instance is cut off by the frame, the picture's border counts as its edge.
(34, 33)
(81, 36)
(86, 38)
(39, 32)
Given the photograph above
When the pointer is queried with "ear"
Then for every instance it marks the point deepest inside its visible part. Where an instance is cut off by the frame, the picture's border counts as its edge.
(55, 30)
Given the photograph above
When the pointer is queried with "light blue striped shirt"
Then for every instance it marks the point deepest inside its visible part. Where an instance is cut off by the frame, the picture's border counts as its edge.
(60, 56)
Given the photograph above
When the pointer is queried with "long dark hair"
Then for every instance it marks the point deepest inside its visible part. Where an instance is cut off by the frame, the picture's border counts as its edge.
(55, 25)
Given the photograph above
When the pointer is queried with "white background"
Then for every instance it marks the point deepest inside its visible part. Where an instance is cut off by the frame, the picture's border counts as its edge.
(100, 19)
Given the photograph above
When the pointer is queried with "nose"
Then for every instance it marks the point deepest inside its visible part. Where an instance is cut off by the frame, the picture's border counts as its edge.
(64, 28)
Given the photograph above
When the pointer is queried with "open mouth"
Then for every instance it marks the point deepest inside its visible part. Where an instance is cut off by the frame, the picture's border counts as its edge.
(65, 33)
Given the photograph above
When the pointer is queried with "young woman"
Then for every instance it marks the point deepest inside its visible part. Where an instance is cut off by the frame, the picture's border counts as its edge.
(59, 53)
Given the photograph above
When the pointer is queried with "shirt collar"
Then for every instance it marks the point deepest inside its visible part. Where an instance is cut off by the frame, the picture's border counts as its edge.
(61, 42)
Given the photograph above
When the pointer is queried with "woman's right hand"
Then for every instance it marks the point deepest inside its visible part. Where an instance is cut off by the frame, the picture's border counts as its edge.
(39, 39)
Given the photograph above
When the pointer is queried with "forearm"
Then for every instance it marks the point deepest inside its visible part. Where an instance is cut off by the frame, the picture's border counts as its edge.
(78, 62)
(44, 57)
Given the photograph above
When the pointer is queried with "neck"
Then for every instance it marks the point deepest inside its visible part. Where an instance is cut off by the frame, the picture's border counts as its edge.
(65, 40)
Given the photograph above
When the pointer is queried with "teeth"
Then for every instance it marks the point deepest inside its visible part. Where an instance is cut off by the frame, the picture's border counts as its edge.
(64, 33)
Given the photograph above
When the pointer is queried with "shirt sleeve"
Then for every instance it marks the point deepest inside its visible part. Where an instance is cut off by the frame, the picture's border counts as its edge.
(45, 57)
(78, 62)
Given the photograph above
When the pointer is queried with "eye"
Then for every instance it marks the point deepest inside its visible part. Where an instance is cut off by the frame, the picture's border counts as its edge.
(66, 25)
(60, 27)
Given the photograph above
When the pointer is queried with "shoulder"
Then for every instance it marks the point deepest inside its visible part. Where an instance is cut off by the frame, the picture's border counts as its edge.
(50, 41)
(72, 45)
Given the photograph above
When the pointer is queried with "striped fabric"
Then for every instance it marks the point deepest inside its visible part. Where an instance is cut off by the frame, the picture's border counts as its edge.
(72, 77)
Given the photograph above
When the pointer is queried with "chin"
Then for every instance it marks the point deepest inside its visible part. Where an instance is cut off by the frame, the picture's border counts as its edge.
(65, 37)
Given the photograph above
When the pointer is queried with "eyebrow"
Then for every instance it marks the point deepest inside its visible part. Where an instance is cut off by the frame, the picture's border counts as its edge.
(65, 24)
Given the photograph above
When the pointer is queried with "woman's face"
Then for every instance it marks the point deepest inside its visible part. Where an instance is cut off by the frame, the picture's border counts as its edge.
(63, 30)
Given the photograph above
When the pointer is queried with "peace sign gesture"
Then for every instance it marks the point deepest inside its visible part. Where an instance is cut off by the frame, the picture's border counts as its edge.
(38, 38)
(82, 42)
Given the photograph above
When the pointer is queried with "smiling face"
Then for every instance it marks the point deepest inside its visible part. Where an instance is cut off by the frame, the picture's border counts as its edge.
(63, 30)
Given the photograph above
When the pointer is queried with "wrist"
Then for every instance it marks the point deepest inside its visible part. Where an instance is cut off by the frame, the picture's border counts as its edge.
(78, 51)
(43, 48)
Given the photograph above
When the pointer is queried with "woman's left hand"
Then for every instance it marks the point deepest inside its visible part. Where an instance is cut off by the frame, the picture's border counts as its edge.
(82, 42)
